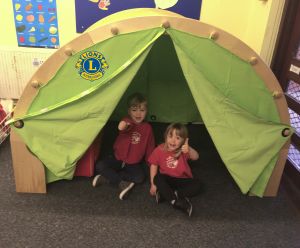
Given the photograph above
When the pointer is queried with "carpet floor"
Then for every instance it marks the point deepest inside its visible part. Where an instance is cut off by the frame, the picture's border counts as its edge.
(74, 214)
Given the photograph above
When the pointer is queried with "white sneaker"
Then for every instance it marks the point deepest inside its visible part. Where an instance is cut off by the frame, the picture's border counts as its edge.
(98, 179)
(190, 208)
(125, 187)
(184, 204)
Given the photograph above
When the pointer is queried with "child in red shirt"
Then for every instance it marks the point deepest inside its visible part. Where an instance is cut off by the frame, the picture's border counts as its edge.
(134, 143)
(170, 175)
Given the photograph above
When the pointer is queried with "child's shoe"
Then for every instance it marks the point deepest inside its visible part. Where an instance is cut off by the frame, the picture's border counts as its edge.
(99, 179)
(184, 205)
(125, 187)
(176, 194)
(190, 208)
(158, 197)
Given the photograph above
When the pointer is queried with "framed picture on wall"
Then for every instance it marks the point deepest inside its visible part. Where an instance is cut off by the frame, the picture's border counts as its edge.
(36, 23)
(90, 11)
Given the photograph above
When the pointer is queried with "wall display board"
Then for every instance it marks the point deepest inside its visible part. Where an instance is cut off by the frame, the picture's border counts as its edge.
(90, 11)
(36, 23)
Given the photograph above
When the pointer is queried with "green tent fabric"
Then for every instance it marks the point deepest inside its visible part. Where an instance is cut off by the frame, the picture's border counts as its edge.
(64, 130)
(245, 132)
(208, 82)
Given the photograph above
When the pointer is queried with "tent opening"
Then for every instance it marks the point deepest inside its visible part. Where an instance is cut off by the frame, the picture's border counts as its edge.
(161, 80)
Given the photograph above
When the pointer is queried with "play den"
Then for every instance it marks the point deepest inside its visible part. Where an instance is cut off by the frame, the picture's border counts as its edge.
(189, 71)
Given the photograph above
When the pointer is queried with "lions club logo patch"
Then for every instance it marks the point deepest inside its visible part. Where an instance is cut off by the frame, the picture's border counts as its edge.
(91, 65)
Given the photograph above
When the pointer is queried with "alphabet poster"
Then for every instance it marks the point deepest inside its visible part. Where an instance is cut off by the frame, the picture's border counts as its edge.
(90, 11)
(36, 23)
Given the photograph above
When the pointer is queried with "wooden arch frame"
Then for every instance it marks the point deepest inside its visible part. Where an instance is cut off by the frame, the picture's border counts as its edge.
(29, 171)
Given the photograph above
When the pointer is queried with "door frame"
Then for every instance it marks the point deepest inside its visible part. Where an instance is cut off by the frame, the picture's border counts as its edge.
(277, 11)
(285, 38)
(287, 42)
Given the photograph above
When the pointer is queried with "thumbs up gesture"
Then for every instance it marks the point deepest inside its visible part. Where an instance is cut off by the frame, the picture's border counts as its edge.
(185, 147)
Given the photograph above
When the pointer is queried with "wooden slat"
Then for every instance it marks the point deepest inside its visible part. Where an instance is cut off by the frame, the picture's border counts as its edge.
(295, 106)
(293, 76)
(295, 62)
(292, 173)
(296, 141)
(291, 183)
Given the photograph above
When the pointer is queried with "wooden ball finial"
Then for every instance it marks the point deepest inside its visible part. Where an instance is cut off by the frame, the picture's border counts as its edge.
(69, 51)
(166, 24)
(114, 30)
(36, 84)
(277, 94)
(253, 60)
(214, 35)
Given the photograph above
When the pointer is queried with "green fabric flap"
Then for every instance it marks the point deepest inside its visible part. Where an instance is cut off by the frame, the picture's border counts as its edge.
(260, 185)
(232, 76)
(247, 136)
(59, 136)
(67, 83)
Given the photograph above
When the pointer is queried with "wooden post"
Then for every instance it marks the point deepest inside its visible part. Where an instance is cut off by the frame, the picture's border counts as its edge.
(28, 170)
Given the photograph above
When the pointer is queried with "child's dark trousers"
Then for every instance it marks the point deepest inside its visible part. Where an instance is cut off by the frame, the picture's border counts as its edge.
(185, 187)
(116, 171)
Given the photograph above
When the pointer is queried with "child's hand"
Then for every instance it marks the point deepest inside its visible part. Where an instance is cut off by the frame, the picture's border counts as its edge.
(123, 125)
(153, 189)
(185, 147)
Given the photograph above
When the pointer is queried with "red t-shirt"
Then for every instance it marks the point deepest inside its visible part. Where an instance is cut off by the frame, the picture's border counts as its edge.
(134, 143)
(169, 165)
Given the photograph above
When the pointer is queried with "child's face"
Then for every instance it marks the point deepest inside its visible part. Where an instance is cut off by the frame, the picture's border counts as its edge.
(138, 113)
(173, 141)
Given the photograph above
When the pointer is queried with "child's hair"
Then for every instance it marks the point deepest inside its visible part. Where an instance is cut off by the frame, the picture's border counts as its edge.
(135, 100)
(180, 129)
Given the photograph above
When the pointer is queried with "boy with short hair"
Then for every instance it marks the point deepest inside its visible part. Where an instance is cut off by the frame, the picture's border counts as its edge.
(134, 143)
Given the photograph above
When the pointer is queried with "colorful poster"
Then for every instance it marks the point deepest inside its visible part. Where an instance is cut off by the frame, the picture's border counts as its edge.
(36, 23)
(90, 11)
